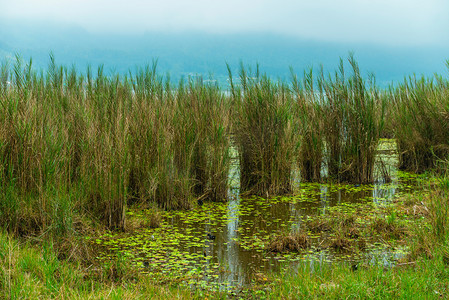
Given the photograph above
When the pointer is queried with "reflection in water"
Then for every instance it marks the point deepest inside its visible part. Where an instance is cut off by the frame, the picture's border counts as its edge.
(231, 255)
(324, 198)
(382, 195)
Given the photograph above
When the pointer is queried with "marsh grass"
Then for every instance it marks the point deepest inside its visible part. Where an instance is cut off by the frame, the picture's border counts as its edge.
(77, 149)
(353, 115)
(92, 144)
(310, 125)
(421, 114)
(264, 133)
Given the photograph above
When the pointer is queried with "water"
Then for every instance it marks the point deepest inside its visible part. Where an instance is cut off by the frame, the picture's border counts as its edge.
(223, 245)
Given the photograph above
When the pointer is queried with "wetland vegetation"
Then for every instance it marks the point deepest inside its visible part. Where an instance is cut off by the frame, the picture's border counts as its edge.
(132, 186)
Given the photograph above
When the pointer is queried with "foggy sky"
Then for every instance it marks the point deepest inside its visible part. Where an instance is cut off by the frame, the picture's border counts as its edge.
(388, 22)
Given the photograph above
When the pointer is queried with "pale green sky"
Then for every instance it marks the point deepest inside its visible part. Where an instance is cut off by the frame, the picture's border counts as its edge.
(388, 22)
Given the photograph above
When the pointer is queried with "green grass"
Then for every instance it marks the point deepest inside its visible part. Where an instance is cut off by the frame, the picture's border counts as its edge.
(29, 273)
(426, 279)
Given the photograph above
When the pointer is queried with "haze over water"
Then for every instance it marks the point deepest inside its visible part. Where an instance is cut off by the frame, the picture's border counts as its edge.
(391, 39)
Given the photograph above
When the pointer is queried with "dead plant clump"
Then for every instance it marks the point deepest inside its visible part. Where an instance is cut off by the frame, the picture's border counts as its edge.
(347, 221)
(361, 244)
(341, 243)
(152, 219)
(319, 225)
(75, 249)
(384, 227)
(414, 206)
(292, 242)
(352, 233)
(335, 223)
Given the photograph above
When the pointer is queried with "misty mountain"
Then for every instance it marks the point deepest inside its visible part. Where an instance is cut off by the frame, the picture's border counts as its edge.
(188, 53)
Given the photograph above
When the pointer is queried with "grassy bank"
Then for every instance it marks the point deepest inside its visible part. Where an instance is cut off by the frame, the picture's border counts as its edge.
(30, 272)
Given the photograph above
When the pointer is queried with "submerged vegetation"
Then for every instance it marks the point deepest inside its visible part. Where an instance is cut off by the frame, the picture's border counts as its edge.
(81, 154)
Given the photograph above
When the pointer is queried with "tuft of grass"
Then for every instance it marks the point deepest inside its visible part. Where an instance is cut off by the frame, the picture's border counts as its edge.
(388, 227)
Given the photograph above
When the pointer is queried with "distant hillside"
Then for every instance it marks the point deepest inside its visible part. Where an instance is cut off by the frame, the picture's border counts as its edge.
(182, 54)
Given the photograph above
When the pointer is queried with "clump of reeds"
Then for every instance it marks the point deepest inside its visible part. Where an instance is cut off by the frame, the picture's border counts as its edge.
(308, 113)
(345, 225)
(203, 125)
(92, 144)
(105, 158)
(421, 114)
(156, 173)
(388, 226)
(179, 141)
(264, 133)
(34, 152)
(352, 112)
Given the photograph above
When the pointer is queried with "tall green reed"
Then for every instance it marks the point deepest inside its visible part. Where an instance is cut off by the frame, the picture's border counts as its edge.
(180, 141)
(110, 140)
(32, 153)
